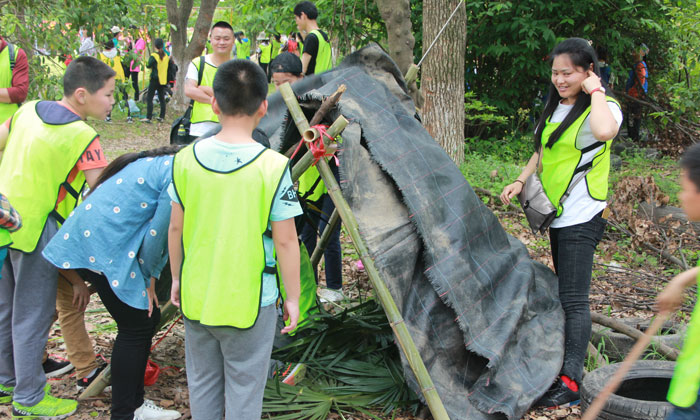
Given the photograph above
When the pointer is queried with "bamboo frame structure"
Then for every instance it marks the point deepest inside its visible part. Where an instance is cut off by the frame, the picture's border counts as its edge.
(403, 336)
(325, 237)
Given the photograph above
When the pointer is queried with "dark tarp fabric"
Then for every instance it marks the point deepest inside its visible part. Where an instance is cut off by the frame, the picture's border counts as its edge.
(485, 317)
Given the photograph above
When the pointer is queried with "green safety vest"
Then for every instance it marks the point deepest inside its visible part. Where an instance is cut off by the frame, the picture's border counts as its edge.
(243, 49)
(265, 51)
(683, 391)
(560, 164)
(275, 48)
(37, 161)
(307, 180)
(5, 238)
(6, 68)
(323, 56)
(307, 289)
(203, 112)
(224, 256)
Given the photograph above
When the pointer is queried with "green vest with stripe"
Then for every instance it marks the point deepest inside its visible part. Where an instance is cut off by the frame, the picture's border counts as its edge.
(36, 163)
(265, 53)
(203, 112)
(560, 163)
(6, 110)
(323, 55)
(308, 181)
(685, 384)
(243, 49)
(223, 254)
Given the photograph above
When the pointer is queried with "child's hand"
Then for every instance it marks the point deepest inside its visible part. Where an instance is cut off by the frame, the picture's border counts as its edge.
(81, 296)
(510, 191)
(175, 293)
(670, 299)
(152, 298)
(291, 313)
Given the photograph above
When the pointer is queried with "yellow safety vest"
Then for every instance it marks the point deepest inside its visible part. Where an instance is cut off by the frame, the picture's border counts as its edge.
(162, 67)
(324, 59)
(36, 163)
(560, 164)
(243, 49)
(265, 52)
(685, 383)
(275, 48)
(115, 64)
(6, 110)
(224, 257)
(203, 112)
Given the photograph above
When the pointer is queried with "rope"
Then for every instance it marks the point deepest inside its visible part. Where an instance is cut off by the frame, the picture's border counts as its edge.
(167, 332)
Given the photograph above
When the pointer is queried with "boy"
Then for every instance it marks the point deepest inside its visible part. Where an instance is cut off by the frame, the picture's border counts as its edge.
(637, 86)
(316, 57)
(203, 118)
(683, 392)
(50, 153)
(234, 206)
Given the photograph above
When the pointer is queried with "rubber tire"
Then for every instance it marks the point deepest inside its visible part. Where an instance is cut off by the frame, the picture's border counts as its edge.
(617, 345)
(622, 408)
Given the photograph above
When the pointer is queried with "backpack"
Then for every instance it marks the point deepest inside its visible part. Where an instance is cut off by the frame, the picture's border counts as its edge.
(180, 130)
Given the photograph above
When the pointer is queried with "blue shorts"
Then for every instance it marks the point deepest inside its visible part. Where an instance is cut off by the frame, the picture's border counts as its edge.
(689, 413)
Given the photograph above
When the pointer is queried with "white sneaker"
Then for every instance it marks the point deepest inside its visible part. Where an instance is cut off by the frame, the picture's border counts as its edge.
(150, 411)
(331, 295)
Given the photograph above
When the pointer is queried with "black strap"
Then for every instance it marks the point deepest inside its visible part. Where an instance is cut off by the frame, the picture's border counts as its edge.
(270, 270)
(200, 74)
(11, 49)
(313, 188)
(57, 216)
(268, 233)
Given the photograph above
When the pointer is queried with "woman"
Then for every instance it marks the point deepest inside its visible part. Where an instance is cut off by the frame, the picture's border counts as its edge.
(158, 63)
(117, 240)
(572, 139)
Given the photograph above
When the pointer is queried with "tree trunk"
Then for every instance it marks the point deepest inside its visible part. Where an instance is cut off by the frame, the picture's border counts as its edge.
(397, 19)
(442, 78)
(183, 53)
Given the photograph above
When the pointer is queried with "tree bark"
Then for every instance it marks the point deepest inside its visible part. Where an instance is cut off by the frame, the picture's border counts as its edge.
(397, 19)
(442, 80)
(183, 53)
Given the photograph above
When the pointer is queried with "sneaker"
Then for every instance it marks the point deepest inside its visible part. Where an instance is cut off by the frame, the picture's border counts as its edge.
(108, 119)
(293, 374)
(150, 411)
(83, 383)
(558, 396)
(159, 119)
(6, 394)
(129, 120)
(54, 368)
(49, 407)
(331, 295)
(145, 120)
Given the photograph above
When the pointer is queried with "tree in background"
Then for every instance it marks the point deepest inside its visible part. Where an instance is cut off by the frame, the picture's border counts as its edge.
(442, 80)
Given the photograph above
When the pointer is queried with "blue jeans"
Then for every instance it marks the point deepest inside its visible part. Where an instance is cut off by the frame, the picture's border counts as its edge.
(572, 252)
(690, 413)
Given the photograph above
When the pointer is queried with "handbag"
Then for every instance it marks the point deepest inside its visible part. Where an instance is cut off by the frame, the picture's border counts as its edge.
(180, 130)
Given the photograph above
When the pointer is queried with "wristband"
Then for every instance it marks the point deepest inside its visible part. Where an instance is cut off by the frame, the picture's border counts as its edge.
(517, 180)
(599, 88)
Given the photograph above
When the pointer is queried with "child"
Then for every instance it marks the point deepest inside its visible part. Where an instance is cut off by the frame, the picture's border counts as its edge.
(110, 56)
(117, 241)
(683, 393)
(41, 178)
(234, 206)
(158, 63)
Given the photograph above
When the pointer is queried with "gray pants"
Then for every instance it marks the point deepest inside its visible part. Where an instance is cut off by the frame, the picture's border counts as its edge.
(227, 368)
(27, 308)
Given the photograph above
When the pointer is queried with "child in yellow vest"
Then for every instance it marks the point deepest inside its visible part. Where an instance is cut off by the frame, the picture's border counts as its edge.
(685, 385)
(38, 170)
(233, 206)
(158, 63)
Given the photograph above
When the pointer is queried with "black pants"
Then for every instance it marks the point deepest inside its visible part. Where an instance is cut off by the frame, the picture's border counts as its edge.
(131, 347)
(634, 120)
(152, 88)
(135, 82)
(572, 252)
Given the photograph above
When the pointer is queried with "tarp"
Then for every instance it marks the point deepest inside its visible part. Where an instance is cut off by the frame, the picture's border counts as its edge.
(485, 317)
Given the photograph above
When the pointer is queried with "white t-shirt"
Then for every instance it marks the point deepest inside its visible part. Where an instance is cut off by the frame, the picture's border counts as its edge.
(200, 128)
(579, 207)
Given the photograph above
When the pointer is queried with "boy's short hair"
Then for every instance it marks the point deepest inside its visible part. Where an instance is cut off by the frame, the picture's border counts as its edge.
(307, 8)
(222, 24)
(86, 72)
(240, 86)
(690, 161)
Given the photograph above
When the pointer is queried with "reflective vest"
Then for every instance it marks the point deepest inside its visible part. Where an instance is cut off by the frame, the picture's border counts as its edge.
(685, 383)
(307, 181)
(162, 67)
(36, 164)
(265, 51)
(223, 253)
(5, 239)
(307, 290)
(560, 164)
(243, 49)
(115, 64)
(323, 55)
(203, 112)
(275, 48)
(6, 110)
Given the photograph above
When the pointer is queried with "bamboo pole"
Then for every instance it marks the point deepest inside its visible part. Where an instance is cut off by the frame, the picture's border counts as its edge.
(403, 336)
(307, 159)
(325, 237)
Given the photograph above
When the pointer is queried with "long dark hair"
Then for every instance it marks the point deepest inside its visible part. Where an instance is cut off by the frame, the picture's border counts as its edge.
(120, 163)
(158, 43)
(582, 55)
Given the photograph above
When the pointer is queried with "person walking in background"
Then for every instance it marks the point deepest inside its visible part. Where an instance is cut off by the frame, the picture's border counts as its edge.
(317, 55)
(264, 54)
(637, 86)
(158, 63)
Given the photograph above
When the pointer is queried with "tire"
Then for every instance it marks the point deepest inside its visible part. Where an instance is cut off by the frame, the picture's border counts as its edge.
(642, 394)
(617, 345)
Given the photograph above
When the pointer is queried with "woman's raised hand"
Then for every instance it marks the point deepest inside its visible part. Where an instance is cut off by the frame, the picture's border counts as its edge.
(591, 83)
(510, 191)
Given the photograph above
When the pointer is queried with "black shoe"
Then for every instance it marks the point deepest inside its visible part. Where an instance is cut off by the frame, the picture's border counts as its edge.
(83, 383)
(53, 368)
(559, 395)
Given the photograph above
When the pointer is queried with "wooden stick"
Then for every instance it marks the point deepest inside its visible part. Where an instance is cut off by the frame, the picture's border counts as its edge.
(325, 237)
(666, 351)
(639, 346)
(305, 162)
(595, 354)
(403, 336)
